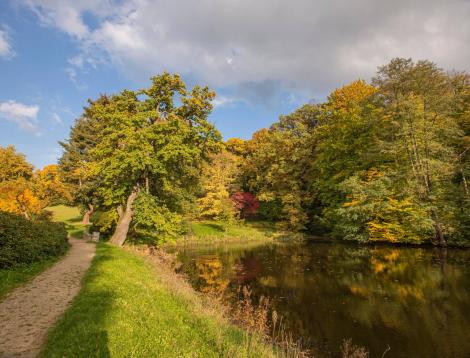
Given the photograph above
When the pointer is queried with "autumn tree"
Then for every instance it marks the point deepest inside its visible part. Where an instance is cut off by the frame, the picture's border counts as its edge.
(277, 167)
(16, 188)
(49, 186)
(219, 181)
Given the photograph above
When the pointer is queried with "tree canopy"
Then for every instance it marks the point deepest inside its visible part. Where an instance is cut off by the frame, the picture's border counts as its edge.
(137, 155)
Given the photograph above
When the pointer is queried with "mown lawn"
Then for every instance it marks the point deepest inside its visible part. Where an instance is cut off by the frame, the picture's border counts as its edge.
(125, 310)
(247, 230)
(70, 216)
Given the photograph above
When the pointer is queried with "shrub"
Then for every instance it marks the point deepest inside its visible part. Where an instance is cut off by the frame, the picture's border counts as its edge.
(23, 241)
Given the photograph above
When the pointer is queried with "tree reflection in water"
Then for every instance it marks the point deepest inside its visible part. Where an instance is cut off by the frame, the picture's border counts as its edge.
(414, 299)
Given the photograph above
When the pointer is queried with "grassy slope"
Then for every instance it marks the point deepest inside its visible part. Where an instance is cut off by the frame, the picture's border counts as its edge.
(125, 310)
(69, 215)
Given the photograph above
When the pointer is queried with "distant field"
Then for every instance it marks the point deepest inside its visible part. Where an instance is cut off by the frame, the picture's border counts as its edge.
(69, 215)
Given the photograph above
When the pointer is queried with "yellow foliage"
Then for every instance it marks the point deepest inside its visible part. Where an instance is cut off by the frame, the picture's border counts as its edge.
(219, 177)
(352, 203)
(17, 197)
(49, 185)
(382, 231)
(342, 99)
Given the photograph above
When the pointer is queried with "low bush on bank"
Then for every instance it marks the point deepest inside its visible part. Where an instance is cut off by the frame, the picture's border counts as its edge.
(24, 242)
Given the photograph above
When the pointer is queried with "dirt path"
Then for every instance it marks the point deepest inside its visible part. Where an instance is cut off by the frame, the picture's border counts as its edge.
(30, 311)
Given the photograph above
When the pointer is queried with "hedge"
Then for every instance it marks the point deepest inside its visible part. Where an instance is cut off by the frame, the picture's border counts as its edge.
(23, 241)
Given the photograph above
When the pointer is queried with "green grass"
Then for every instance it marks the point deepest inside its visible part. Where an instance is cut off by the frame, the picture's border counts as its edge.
(11, 278)
(125, 310)
(247, 231)
(69, 215)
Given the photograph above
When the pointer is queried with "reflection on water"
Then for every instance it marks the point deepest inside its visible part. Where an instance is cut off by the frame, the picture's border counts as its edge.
(415, 300)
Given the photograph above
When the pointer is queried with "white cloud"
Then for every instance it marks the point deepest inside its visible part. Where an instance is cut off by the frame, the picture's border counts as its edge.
(23, 115)
(6, 49)
(262, 48)
(223, 101)
(56, 118)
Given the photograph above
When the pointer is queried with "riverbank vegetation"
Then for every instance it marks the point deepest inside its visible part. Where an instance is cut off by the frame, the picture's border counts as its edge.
(128, 307)
(385, 161)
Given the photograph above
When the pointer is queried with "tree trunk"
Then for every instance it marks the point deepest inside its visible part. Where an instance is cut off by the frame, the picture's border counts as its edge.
(124, 221)
(438, 230)
(86, 216)
(464, 181)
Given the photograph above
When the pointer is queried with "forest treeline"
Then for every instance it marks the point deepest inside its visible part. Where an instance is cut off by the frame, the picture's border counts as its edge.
(381, 161)
(385, 161)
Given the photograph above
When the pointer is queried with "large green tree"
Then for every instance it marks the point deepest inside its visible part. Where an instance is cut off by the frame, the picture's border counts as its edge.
(144, 159)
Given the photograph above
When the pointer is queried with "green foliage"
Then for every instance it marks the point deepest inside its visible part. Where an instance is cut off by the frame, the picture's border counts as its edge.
(23, 241)
(374, 212)
(104, 221)
(154, 221)
(277, 167)
(381, 162)
(153, 140)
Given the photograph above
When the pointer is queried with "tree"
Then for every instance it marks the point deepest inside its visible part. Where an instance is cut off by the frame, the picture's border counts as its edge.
(84, 136)
(13, 165)
(49, 186)
(423, 134)
(236, 146)
(277, 167)
(246, 203)
(147, 152)
(16, 189)
(218, 183)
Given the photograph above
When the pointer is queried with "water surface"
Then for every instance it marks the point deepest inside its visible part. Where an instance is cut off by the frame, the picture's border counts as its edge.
(415, 300)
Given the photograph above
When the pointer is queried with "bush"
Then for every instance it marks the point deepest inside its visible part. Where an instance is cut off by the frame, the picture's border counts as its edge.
(23, 241)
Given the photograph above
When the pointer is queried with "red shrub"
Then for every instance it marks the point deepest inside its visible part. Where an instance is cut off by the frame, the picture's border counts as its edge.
(246, 203)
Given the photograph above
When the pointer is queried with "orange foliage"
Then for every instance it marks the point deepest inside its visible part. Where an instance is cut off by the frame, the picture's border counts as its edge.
(17, 197)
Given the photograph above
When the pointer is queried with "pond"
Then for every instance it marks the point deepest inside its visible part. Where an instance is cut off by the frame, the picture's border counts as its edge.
(414, 300)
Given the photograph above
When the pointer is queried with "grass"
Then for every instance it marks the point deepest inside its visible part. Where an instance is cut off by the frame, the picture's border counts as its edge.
(70, 216)
(209, 231)
(127, 308)
(11, 278)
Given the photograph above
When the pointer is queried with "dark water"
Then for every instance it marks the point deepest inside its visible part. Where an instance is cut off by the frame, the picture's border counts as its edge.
(415, 300)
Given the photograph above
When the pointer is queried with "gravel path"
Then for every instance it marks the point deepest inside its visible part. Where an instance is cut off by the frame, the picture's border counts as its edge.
(27, 313)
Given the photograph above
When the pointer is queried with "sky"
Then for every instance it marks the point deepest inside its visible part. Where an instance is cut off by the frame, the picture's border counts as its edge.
(264, 58)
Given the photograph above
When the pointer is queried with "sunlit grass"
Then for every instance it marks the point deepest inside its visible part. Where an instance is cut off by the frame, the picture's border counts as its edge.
(126, 309)
(245, 230)
(70, 216)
